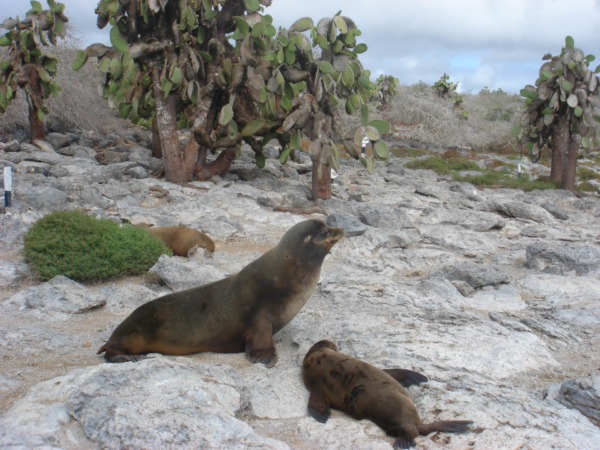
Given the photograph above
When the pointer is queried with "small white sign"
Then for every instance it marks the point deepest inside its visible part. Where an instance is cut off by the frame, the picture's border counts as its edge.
(7, 179)
(334, 174)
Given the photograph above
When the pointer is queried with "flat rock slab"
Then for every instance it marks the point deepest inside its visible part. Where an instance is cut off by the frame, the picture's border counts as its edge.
(155, 403)
(505, 298)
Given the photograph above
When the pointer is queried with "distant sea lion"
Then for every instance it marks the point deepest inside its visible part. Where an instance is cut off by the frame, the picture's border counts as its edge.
(181, 239)
(239, 313)
(365, 392)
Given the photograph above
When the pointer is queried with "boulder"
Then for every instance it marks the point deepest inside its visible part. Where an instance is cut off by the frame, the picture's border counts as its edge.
(350, 225)
(477, 275)
(179, 274)
(44, 199)
(582, 259)
(59, 295)
(58, 140)
(44, 146)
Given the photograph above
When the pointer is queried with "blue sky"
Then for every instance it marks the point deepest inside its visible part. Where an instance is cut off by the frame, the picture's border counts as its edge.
(494, 43)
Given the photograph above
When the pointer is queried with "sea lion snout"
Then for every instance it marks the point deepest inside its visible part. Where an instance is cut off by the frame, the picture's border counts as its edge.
(332, 237)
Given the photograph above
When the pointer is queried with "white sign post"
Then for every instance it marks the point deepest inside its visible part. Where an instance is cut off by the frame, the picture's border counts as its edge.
(7, 187)
(365, 142)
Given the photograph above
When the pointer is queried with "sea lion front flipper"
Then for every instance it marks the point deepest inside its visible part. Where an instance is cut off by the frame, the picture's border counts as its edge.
(318, 406)
(259, 343)
(406, 377)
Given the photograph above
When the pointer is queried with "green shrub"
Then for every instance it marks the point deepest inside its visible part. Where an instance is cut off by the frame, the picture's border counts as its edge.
(586, 174)
(438, 165)
(500, 179)
(408, 152)
(443, 166)
(83, 248)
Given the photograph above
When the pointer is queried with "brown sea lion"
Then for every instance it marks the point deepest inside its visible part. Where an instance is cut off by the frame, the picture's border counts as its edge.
(181, 239)
(365, 392)
(240, 313)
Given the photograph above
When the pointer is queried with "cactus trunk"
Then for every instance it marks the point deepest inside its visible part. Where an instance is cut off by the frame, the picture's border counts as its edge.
(220, 166)
(570, 165)
(560, 139)
(321, 188)
(176, 169)
(36, 126)
(156, 147)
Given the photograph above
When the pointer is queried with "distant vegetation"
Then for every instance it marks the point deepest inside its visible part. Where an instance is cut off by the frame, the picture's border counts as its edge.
(84, 248)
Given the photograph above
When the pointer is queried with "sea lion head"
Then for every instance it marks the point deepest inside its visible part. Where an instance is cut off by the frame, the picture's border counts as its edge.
(320, 345)
(310, 240)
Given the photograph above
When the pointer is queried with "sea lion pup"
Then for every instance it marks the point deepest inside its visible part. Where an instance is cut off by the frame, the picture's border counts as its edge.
(365, 392)
(240, 313)
(181, 239)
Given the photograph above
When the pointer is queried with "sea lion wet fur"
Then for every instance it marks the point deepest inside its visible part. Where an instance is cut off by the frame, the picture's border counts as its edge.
(240, 313)
(181, 239)
(365, 392)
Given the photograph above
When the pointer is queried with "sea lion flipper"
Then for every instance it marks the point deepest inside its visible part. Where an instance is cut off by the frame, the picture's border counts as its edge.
(404, 442)
(406, 377)
(318, 406)
(259, 342)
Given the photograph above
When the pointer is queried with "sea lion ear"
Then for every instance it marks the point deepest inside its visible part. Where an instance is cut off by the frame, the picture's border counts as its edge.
(308, 238)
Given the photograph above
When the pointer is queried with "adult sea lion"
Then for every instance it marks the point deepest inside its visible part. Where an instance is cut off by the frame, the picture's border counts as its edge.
(240, 313)
(365, 392)
(181, 239)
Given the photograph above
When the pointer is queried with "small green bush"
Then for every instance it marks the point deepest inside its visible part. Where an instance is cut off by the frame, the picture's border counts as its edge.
(500, 179)
(408, 152)
(443, 166)
(83, 248)
(586, 174)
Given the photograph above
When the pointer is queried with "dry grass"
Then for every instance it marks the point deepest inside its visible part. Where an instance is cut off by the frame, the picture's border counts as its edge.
(434, 121)
(77, 107)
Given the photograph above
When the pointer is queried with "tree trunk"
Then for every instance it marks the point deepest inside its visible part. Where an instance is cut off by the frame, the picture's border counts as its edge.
(156, 147)
(36, 126)
(570, 165)
(220, 166)
(561, 134)
(176, 170)
(321, 188)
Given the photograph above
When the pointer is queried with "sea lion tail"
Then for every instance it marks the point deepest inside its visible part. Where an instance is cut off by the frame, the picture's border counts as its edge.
(102, 349)
(450, 426)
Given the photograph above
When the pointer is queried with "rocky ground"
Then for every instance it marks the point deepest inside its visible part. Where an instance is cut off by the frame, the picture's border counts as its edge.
(493, 294)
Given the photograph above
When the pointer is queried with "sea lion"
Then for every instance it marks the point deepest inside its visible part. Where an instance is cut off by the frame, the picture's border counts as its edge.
(240, 313)
(365, 392)
(181, 239)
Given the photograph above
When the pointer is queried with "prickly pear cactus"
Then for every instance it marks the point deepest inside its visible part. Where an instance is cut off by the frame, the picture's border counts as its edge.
(386, 88)
(232, 74)
(567, 89)
(444, 88)
(25, 66)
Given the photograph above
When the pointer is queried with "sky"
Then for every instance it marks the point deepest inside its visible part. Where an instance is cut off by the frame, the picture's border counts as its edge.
(493, 43)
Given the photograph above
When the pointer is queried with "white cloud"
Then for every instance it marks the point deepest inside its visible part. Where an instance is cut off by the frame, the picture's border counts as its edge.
(503, 40)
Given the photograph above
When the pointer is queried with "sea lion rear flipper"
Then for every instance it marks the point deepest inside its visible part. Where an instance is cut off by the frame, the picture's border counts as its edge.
(318, 406)
(259, 343)
(404, 442)
(449, 426)
(406, 377)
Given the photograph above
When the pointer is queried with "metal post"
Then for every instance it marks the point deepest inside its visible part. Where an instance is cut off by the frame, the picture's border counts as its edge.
(7, 187)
